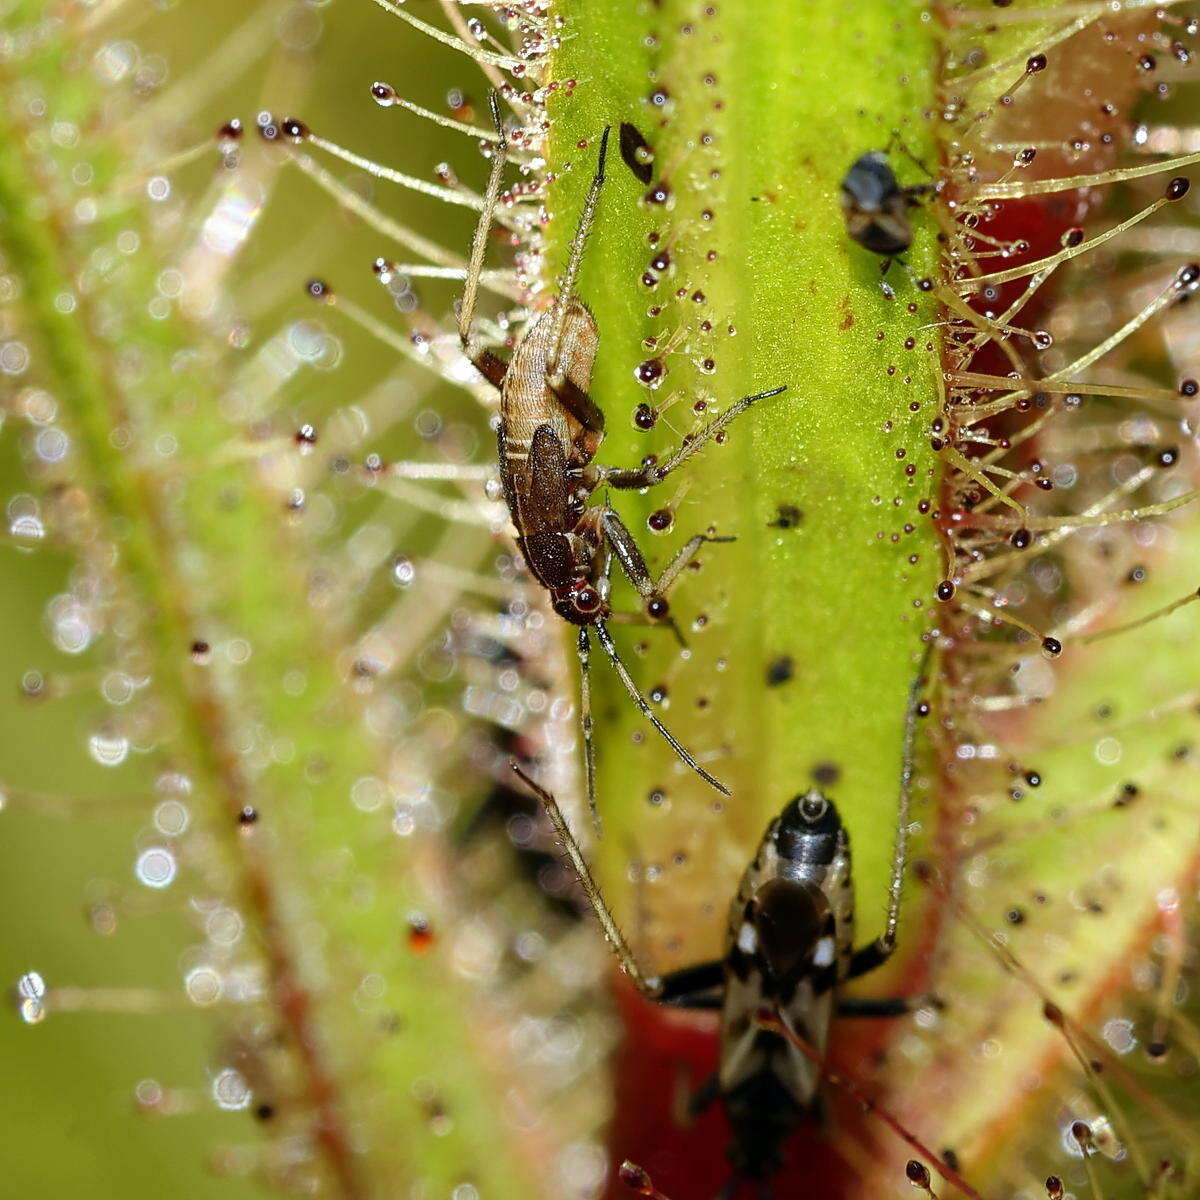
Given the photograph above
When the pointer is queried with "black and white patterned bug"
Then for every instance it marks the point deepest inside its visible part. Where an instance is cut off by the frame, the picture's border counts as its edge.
(789, 948)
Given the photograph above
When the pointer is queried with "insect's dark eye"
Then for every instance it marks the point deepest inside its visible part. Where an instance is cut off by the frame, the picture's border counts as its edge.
(587, 599)
(658, 608)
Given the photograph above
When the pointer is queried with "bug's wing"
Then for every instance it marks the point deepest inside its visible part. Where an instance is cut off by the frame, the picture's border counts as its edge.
(544, 499)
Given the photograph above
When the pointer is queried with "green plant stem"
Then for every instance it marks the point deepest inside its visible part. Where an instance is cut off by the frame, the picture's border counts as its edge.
(755, 114)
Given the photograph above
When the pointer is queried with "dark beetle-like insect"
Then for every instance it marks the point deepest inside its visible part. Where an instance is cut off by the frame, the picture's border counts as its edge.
(789, 946)
(636, 153)
(550, 430)
(876, 206)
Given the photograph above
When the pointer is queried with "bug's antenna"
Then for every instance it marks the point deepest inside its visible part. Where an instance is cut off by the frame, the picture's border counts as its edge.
(466, 309)
(636, 696)
(650, 986)
(584, 650)
(566, 287)
(887, 943)
(897, 142)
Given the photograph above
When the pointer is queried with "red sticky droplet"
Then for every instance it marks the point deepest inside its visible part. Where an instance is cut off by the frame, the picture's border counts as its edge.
(420, 935)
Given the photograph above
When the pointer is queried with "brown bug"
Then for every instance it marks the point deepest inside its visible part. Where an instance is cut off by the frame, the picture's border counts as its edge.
(875, 205)
(550, 430)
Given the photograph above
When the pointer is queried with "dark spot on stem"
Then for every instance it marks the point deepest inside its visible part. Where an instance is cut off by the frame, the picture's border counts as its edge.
(826, 773)
(780, 670)
(787, 516)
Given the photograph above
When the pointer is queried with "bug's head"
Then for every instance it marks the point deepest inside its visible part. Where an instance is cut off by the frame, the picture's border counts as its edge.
(875, 207)
(809, 829)
(582, 603)
(870, 184)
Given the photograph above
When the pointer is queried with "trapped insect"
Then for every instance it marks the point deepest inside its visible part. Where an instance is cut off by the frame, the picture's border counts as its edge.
(789, 947)
(550, 430)
(636, 152)
(875, 205)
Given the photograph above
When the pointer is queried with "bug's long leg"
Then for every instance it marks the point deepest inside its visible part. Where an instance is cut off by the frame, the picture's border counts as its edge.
(866, 958)
(637, 571)
(900, 851)
(871, 956)
(584, 650)
(896, 141)
(648, 985)
(683, 556)
(886, 1006)
(566, 287)
(623, 674)
(622, 543)
(633, 618)
(699, 1101)
(491, 367)
(652, 473)
(699, 987)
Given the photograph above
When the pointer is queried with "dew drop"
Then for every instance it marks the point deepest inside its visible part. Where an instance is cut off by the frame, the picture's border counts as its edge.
(31, 1011)
(650, 373)
(107, 748)
(203, 986)
(230, 1090)
(660, 193)
(404, 571)
(155, 867)
(31, 986)
(420, 933)
(27, 528)
(917, 1173)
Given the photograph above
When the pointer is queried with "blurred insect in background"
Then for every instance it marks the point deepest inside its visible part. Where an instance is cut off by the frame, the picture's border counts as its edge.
(875, 207)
